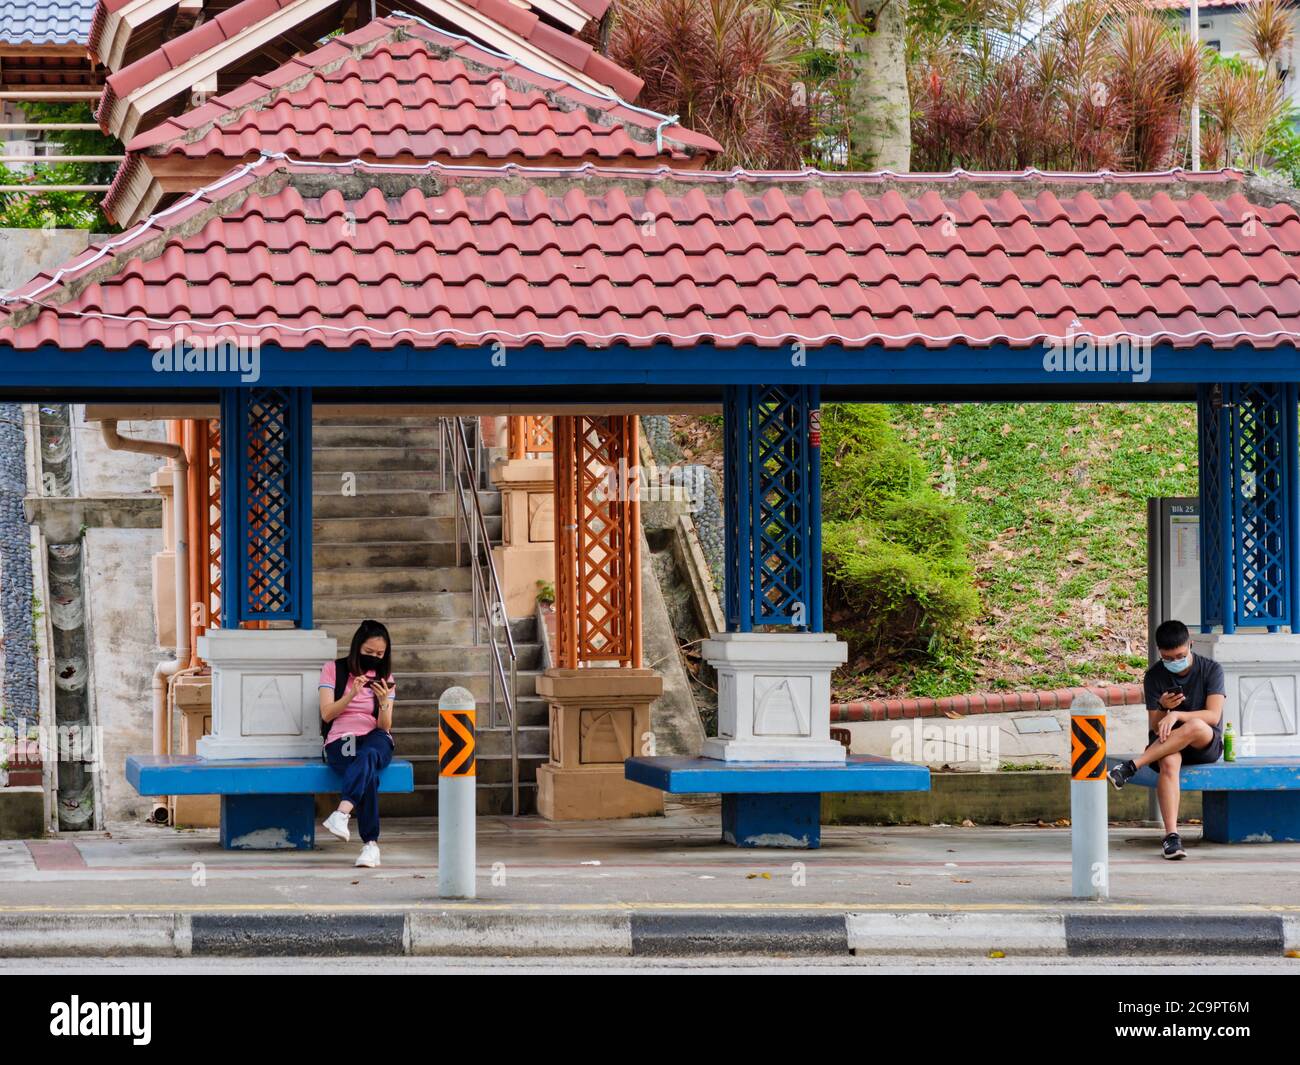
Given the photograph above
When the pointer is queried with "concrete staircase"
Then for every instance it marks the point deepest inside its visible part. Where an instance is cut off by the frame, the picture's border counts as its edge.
(388, 552)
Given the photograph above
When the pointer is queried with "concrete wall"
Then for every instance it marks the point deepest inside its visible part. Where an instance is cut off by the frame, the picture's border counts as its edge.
(123, 652)
(24, 253)
(986, 741)
(104, 473)
(103, 499)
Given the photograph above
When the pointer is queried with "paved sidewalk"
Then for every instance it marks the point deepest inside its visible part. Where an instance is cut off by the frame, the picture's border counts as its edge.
(673, 861)
(655, 887)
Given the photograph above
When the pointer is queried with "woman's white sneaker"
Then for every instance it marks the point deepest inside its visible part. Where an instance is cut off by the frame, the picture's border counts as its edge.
(337, 825)
(369, 858)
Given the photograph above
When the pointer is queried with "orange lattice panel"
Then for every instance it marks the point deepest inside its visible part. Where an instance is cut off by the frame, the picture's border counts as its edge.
(530, 435)
(598, 540)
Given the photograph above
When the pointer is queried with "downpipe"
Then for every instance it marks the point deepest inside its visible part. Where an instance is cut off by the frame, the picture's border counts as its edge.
(165, 670)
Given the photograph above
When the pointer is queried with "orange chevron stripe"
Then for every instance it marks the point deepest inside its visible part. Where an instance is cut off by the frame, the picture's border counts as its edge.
(1087, 747)
(456, 744)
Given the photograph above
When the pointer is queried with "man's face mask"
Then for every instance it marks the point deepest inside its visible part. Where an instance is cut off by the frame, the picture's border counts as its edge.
(1178, 665)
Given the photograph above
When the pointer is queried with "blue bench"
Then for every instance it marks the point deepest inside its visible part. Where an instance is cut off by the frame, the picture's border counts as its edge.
(266, 804)
(774, 804)
(1251, 800)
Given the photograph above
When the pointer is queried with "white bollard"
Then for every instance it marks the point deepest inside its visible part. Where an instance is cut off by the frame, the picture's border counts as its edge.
(1089, 841)
(457, 801)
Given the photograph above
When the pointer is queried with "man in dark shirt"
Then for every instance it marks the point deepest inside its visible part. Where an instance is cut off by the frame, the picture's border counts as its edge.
(1184, 695)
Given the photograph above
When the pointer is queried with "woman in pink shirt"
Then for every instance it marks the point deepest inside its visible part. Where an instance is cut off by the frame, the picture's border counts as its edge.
(356, 702)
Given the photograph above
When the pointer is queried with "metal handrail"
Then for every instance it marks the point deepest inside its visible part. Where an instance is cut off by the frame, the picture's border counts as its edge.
(487, 593)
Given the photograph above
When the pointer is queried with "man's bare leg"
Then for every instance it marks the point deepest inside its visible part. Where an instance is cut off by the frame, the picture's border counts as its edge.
(1167, 790)
(1189, 734)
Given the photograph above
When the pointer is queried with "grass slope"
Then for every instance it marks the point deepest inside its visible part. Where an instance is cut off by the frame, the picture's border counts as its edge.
(1056, 504)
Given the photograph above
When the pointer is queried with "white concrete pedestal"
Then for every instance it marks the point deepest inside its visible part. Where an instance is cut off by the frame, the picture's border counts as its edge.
(774, 696)
(264, 684)
(1261, 672)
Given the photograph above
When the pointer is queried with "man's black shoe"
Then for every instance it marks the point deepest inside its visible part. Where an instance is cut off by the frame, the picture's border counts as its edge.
(1173, 847)
(1122, 773)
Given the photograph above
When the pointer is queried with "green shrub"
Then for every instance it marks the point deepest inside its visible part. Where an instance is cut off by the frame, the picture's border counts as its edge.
(898, 578)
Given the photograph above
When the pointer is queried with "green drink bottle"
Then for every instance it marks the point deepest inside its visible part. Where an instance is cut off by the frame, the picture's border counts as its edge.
(1229, 745)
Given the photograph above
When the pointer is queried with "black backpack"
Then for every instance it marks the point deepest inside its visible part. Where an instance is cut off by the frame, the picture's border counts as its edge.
(340, 686)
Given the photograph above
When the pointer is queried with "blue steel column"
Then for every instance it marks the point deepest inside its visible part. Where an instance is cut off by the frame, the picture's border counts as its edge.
(1292, 452)
(1215, 539)
(773, 507)
(266, 541)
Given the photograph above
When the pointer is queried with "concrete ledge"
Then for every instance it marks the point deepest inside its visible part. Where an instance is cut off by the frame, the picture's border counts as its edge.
(334, 935)
(1207, 935)
(686, 934)
(956, 933)
(66, 935)
(460, 931)
(22, 812)
(986, 799)
(515, 934)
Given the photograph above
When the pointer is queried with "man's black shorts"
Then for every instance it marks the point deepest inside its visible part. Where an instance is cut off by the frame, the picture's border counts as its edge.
(1211, 752)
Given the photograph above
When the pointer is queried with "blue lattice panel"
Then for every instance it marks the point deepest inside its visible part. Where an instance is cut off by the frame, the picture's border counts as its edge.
(266, 505)
(773, 507)
(1248, 464)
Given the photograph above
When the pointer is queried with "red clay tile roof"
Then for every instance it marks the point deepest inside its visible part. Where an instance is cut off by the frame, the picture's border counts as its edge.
(561, 46)
(399, 89)
(303, 252)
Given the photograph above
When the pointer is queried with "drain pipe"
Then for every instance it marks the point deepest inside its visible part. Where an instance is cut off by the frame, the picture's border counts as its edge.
(180, 509)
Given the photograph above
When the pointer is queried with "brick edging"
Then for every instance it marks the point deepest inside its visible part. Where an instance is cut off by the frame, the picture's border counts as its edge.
(980, 703)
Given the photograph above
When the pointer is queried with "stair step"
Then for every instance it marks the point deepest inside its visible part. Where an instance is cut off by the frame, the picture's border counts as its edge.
(344, 584)
(428, 687)
(533, 710)
(369, 418)
(402, 529)
(379, 555)
(488, 770)
(437, 658)
(329, 437)
(491, 743)
(406, 606)
(356, 459)
(383, 503)
(455, 651)
(494, 800)
(327, 481)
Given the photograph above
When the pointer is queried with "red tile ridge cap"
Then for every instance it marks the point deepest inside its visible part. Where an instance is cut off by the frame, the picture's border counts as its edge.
(236, 183)
(1125, 694)
(147, 238)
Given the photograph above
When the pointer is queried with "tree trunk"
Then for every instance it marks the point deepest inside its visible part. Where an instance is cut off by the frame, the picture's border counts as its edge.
(881, 111)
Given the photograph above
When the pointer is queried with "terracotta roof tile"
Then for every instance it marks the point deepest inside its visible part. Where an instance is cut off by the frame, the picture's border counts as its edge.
(396, 89)
(589, 255)
(526, 24)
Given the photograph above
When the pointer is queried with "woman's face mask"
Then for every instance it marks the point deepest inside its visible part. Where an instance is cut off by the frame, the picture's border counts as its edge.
(369, 663)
